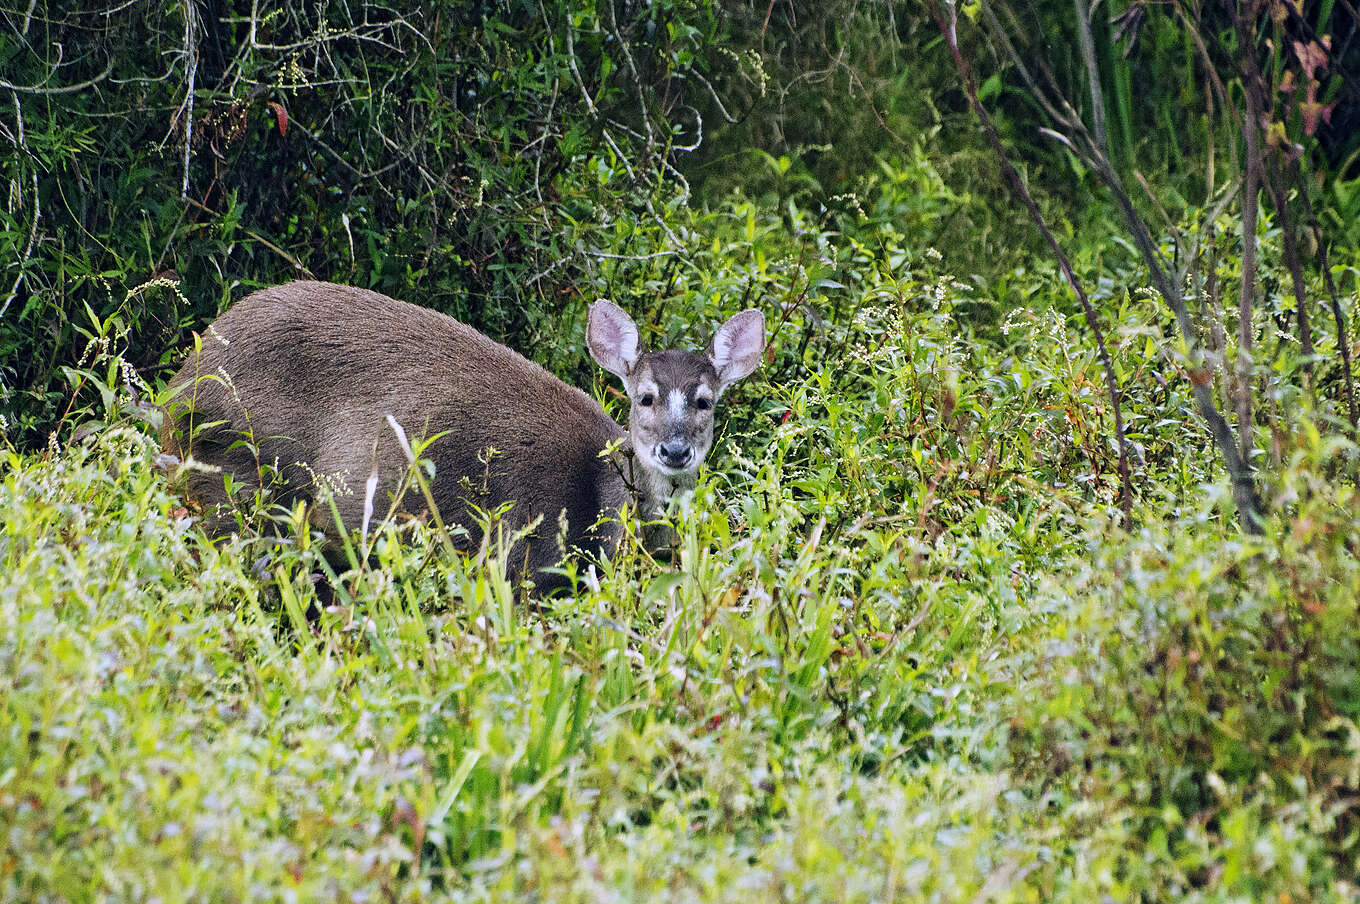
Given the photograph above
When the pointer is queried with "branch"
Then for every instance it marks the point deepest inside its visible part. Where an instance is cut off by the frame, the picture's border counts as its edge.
(1342, 339)
(191, 53)
(1092, 320)
(714, 94)
(1079, 139)
(1088, 56)
(42, 88)
(1280, 198)
(20, 145)
(1250, 202)
(257, 237)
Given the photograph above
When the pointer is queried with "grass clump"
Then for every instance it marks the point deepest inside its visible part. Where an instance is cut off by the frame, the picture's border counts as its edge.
(907, 650)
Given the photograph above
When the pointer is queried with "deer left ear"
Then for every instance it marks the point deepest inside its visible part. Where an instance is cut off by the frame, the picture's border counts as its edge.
(612, 338)
(736, 347)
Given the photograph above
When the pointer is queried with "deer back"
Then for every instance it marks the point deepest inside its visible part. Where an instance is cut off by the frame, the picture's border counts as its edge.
(297, 382)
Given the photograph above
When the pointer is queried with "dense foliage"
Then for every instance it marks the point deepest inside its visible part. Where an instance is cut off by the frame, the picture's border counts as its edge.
(911, 646)
(479, 157)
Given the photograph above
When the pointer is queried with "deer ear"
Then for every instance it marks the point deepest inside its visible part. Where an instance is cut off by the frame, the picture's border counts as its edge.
(736, 347)
(612, 338)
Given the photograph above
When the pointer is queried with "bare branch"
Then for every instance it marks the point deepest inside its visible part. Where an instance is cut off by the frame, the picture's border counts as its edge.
(1003, 38)
(1092, 319)
(1079, 138)
(1088, 56)
(1293, 263)
(37, 209)
(1342, 337)
(191, 55)
(41, 88)
(1251, 190)
(637, 81)
(713, 94)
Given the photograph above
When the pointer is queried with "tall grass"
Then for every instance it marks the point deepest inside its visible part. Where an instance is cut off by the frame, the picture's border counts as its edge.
(905, 650)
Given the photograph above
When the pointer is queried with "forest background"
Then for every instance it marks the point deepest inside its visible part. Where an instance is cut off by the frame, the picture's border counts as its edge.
(1027, 567)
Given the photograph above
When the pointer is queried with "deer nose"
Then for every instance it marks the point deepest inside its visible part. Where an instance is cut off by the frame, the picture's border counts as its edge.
(675, 454)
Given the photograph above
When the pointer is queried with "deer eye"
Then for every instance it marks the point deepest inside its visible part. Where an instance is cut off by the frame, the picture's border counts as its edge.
(646, 400)
(703, 404)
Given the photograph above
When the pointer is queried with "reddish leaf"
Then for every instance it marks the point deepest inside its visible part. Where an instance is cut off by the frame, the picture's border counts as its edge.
(555, 845)
(1311, 111)
(280, 116)
(404, 812)
(1312, 55)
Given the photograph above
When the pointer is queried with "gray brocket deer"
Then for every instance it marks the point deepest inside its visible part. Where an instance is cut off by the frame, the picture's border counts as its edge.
(303, 385)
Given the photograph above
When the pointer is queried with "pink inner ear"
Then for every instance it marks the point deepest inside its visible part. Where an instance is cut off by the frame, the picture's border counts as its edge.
(620, 339)
(738, 341)
(614, 337)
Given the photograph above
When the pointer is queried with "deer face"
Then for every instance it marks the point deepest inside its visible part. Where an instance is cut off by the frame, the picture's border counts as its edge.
(671, 422)
(673, 392)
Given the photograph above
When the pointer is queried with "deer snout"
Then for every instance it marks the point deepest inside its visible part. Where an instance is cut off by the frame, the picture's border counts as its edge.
(675, 453)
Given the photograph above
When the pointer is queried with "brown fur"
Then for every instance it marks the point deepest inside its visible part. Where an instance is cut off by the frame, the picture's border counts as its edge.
(294, 384)
(314, 367)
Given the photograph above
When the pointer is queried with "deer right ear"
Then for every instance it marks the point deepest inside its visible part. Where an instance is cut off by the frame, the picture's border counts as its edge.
(612, 338)
(737, 346)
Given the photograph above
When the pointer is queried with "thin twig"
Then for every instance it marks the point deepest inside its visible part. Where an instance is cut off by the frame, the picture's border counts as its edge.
(191, 52)
(1079, 139)
(637, 81)
(22, 147)
(1092, 320)
(713, 94)
(1293, 263)
(1247, 291)
(64, 89)
(256, 236)
(1088, 55)
(1342, 338)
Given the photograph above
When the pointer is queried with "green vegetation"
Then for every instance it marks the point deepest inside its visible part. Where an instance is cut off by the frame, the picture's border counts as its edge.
(910, 646)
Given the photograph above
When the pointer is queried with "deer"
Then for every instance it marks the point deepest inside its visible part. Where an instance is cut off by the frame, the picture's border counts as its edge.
(317, 387)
